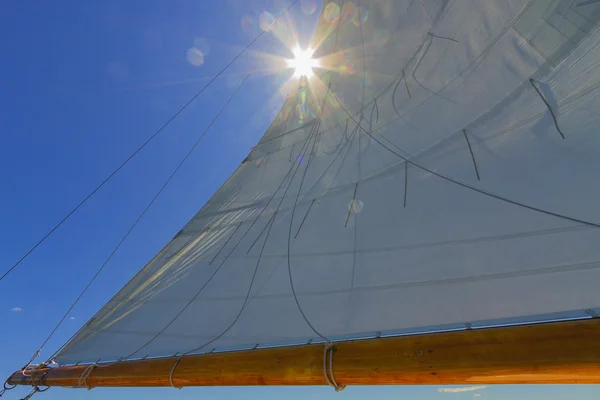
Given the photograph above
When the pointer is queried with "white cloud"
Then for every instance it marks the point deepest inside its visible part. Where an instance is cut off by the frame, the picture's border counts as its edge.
(477, 395)
(16, 309)
(71, 318)
(461, 389)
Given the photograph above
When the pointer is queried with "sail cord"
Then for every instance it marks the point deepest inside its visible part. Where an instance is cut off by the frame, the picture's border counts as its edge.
(171, 374)
(328, 372)
(548, 106)
(458, 182)
(293, 168)
(314, 131)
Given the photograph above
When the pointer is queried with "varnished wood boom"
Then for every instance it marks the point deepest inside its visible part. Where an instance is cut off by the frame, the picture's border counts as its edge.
(559, 352)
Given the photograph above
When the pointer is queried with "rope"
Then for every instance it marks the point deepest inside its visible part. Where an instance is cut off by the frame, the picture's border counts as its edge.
(548, 106)
(82, 202)
(472, 155)
(82, 382)
(6, 388)
(460, 183)
(328, 372)
(171, 374)
(33, 357)
(30, 395)
(442, 37)
(35, 390)
(314, 128)
(295, 167)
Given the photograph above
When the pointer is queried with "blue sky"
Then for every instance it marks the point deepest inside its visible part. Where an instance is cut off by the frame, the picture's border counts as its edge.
(82, 85)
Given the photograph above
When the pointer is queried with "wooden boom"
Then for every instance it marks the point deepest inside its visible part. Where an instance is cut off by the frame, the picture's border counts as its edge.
(558, 352)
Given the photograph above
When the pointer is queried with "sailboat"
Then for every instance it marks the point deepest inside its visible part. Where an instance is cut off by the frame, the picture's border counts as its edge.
(424, 209)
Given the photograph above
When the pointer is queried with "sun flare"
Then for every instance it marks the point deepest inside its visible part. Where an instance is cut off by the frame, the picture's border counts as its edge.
(303, 63)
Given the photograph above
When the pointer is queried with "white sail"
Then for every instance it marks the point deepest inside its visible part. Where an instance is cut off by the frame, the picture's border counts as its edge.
(326, 231)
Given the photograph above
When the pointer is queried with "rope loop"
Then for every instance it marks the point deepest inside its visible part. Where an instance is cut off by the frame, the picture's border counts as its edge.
(30, 363)
(171, 374)
(82, 382)
(6, 388)
(329, 377)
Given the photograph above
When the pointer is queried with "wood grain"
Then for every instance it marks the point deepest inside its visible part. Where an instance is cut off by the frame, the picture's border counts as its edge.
(559, 352)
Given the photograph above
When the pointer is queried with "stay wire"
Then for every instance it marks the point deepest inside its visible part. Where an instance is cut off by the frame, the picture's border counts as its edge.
(189, 153)
(154, 135)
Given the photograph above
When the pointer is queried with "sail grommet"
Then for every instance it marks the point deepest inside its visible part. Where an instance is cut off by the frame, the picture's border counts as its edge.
(171, 374)
(329, 377)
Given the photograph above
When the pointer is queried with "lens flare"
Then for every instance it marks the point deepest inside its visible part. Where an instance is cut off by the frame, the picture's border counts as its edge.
(303, 63)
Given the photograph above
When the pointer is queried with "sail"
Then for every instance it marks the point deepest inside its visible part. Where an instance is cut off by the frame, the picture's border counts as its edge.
(439, 171)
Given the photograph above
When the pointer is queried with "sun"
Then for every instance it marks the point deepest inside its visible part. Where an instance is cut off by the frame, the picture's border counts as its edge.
(303, 62)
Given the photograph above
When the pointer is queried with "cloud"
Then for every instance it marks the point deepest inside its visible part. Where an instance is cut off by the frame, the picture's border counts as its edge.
(71, 318)
(461, 389)
(16, 309)
(477, 395)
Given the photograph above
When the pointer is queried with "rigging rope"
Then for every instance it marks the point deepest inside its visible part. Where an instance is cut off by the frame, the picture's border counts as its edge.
(156, 196)
(171, 374)
(188, 154)
(82, 382)
(151, 138)
(6, 388)
(328, 372)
